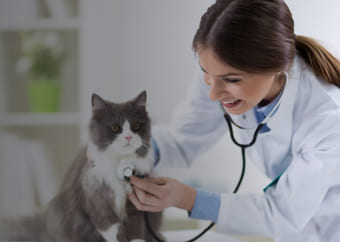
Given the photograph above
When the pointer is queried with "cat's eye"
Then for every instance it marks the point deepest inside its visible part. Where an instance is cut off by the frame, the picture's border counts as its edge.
(115, 128)
(136, 126)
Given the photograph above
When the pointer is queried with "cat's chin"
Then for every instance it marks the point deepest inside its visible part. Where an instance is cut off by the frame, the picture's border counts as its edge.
(127, 150)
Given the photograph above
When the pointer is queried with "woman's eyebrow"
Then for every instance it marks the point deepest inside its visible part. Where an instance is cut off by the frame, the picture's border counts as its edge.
(229, 74)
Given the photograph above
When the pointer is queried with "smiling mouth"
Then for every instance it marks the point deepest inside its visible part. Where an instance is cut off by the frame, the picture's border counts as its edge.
(231, 104)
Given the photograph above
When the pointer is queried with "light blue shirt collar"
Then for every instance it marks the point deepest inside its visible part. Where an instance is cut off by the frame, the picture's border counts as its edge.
(262, 112)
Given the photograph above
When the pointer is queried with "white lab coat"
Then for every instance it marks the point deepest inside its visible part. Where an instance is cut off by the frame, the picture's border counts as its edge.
(303, 145)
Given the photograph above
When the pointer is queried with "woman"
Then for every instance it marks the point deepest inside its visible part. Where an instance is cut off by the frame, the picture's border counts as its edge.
(253, 65)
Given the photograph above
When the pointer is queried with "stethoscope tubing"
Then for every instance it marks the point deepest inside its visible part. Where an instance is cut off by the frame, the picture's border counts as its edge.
(231, 132)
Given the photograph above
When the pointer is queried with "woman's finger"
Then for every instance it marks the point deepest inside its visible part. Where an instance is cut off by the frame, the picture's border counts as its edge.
(147, 186)
(157, 180)
(146, 199)
(141, 207)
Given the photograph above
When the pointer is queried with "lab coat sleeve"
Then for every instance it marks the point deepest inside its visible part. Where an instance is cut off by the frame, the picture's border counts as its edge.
(289, 205)
(196, 126)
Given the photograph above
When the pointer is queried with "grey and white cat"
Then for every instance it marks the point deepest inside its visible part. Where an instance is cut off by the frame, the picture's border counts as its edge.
(92, 204)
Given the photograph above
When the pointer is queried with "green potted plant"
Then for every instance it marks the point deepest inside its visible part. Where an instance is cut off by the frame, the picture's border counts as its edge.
(41, 60)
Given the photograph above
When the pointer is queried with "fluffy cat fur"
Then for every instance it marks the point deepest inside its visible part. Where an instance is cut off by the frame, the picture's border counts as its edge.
(92, 204)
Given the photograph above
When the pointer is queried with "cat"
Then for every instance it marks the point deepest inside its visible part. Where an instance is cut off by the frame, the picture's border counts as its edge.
(92, 204)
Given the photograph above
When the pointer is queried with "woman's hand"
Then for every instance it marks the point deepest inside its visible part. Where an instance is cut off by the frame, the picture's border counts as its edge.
(157, 193)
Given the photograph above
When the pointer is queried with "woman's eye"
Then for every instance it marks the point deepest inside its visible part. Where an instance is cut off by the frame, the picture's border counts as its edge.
(136, 126)
(115, 128)
(231, 80)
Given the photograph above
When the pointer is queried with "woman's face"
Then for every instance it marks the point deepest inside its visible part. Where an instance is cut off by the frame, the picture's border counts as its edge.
(237, 90)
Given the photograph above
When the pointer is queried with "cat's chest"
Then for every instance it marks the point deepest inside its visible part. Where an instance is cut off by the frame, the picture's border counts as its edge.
(103, 169)
(103, 172)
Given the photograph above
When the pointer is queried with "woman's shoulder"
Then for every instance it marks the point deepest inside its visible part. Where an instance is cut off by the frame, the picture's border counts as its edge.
(315, 90)
(317, 103)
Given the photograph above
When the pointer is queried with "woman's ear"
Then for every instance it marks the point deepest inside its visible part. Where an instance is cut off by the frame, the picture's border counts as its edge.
(281, 77)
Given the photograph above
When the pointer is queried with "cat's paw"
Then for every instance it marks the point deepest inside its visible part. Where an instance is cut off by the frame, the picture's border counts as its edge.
(110, 235)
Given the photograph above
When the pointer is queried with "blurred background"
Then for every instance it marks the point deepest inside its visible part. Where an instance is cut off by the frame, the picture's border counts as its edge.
(55, 53)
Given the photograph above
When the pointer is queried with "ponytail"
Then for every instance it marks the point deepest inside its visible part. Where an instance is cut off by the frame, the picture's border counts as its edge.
(323, 63)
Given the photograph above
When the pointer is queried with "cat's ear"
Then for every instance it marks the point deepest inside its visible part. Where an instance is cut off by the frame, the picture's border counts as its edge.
(140, 100)
(97, 103)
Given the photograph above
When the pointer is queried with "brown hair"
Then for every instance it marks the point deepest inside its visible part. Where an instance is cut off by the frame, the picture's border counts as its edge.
(258, 36)
(323, 63)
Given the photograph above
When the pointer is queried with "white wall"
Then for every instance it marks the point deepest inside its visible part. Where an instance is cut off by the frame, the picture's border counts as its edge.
(157, 53)
(318, 19)
(100, 54)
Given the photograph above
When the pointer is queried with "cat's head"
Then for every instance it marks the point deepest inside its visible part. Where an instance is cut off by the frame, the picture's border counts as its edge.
(120, 128)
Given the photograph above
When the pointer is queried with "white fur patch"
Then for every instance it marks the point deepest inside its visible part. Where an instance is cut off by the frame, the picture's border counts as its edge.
(110, 235)
(137, 240)
(106, 164)
(104, 170)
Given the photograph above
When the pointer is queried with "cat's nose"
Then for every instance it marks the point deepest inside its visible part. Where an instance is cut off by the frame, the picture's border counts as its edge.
(128, 138)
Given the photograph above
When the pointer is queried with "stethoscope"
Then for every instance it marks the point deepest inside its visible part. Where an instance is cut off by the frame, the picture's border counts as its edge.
(243, 147)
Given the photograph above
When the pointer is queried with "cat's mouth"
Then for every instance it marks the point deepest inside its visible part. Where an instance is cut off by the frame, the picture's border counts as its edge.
(129, 145)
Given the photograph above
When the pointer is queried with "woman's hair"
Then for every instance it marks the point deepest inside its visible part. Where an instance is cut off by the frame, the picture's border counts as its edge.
(258, 36)
(323, 63)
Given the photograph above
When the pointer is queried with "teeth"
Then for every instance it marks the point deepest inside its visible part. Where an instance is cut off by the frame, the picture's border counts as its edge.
(229, 102)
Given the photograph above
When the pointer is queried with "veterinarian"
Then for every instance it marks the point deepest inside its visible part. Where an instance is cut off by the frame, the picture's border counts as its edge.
(255, 68)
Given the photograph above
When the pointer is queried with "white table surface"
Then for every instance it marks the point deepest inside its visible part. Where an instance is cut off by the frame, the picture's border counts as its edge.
(184, 235)
(210, 236)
